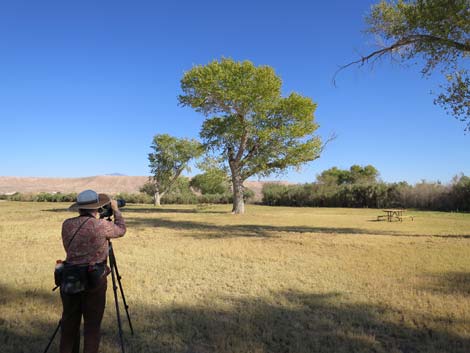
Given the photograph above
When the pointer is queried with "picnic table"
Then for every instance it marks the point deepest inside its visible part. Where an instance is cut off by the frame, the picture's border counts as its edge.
(393, 214)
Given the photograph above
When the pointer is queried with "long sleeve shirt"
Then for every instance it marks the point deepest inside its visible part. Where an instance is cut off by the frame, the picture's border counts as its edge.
(90, 244)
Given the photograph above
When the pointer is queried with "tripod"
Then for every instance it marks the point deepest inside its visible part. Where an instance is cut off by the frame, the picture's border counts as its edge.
(114, 276)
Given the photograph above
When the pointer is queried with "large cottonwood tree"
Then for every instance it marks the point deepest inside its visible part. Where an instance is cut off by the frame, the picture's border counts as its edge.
(258, 131)
(435, 32)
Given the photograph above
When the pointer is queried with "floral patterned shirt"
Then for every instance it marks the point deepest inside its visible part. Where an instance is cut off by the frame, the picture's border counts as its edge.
(90, 244)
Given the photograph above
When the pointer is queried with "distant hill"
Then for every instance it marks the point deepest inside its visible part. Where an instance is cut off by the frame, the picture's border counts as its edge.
(108, 184)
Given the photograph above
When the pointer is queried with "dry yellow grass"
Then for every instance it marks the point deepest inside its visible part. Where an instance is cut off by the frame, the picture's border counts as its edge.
(274, 280)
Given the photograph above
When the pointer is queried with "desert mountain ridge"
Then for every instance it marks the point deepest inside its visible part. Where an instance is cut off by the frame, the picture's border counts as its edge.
(108, 184)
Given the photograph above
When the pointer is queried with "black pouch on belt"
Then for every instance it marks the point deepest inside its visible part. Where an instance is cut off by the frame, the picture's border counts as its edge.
(74, 279)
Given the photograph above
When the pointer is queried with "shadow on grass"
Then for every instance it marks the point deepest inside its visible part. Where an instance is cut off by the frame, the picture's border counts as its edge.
(449, 283)
(150, 210)
(23, 334)
(261, 230)
(229, 231)
(58, 210)
(158, 210)
(244, 230)
(9, 295)
(304, 322)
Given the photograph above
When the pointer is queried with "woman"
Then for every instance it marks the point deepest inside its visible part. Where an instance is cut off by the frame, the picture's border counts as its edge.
(85, 239)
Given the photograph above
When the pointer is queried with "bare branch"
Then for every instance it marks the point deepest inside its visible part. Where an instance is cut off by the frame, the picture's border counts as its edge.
(412, 39)
(330, 138)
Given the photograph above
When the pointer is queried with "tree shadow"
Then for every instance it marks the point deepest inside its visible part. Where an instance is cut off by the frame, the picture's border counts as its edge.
(9, 295)
(151, 210)
(158, 210)
(25, 335)
(288, 321)
(58, 210)
(449, 283)
(208, 230)
(247, 230)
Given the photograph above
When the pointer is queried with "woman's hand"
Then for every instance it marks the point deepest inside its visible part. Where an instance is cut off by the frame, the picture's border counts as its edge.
(114, 205)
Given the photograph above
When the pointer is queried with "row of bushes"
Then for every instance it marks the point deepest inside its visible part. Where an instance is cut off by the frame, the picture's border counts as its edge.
(177, 198)
(40, 197)
(138, 198)
(424, 195)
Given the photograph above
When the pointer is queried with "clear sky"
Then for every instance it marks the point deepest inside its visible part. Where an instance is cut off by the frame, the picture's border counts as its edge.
(85, 85)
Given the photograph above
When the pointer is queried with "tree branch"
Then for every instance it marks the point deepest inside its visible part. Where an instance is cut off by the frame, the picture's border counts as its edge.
(408, 40)
(251, 152)
(242, 147)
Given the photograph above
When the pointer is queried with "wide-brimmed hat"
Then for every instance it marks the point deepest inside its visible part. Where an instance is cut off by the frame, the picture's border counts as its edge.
(90, 200)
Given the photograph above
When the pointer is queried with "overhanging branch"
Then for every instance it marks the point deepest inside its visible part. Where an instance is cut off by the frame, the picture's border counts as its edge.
(408, 40)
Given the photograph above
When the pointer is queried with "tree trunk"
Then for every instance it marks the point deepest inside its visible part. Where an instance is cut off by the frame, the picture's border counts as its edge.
(238, 201)
(156, 199)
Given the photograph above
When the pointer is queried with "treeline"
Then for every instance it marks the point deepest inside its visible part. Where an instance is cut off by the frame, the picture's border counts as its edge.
(356, 187)
(189, 198)
(40, 197)
(360, 187)
(184, 191)
(142, 198)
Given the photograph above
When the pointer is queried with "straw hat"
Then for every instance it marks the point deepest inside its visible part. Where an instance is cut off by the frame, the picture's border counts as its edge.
(90, 200)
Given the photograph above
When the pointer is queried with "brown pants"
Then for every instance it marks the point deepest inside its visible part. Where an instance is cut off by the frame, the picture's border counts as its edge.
(90, 304)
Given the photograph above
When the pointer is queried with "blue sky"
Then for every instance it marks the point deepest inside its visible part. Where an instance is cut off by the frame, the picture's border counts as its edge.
(85, 85)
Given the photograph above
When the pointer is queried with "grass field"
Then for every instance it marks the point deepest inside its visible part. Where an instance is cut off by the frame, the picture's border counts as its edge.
(298, 280)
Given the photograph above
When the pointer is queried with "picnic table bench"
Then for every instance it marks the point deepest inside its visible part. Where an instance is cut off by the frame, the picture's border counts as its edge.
(393, 215)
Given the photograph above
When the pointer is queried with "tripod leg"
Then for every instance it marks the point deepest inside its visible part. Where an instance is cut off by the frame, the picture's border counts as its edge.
(53, 336)
(122, 292)
(112, 263)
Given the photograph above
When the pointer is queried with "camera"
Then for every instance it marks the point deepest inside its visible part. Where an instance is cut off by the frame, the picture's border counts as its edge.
(106, 211)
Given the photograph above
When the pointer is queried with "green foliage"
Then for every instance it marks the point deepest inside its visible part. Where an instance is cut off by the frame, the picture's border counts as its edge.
(41, 197)
(317, 195)
(461, 192)
(437, 31)
(256, 130)
(334, 192)
(169, 158)
(214, 179)
(149, 188)
(248, 194)
(180, 193)
(355, 175)
(211, 182)
(140, 198)
(456, 98)
(250, 118)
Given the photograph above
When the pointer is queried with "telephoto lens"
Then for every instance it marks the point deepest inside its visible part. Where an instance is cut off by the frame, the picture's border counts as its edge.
(121, 203)
(106, 211)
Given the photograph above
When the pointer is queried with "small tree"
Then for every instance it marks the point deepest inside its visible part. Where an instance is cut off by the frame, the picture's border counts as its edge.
(257, 131)
(333, 177)
(363, 175)
(355, 175)
(170, 157)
